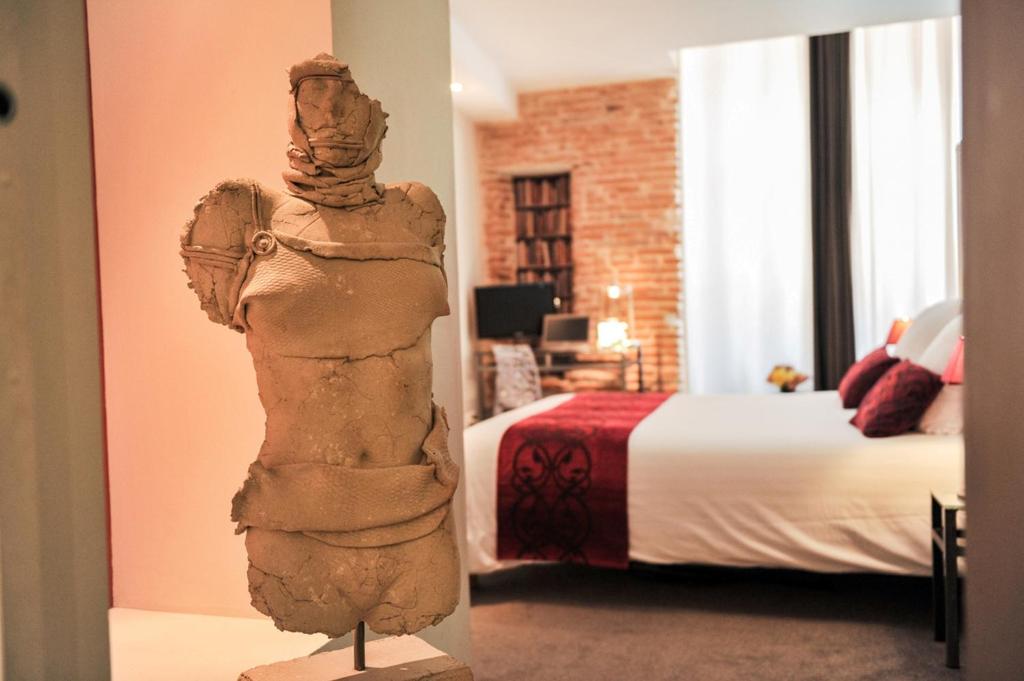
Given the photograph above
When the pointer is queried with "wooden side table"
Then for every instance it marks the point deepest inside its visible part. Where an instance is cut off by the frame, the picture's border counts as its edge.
(949, 542)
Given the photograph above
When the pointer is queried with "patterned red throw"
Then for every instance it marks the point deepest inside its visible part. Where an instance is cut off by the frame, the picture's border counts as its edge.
(562, 480)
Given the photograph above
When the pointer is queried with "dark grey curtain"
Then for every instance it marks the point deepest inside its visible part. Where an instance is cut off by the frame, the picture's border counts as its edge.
(830, 208)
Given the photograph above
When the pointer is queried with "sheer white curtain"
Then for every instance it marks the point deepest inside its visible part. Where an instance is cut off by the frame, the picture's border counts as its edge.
(906, 127)
(746, 212)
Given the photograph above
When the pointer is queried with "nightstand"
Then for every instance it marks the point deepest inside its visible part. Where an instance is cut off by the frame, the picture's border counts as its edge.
(949, 542)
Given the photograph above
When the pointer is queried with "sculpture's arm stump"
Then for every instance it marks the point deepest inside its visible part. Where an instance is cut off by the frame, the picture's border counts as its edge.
(216, 240)
(401, 658)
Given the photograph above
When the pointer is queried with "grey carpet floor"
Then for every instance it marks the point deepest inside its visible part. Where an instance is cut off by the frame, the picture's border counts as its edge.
(567, 623)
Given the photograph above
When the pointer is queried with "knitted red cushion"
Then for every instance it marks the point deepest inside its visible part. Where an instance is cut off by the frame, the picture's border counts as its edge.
(897, 401)
(860, 378)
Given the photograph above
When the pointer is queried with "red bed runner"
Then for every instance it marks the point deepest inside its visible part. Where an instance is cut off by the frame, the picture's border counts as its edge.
(562, 480)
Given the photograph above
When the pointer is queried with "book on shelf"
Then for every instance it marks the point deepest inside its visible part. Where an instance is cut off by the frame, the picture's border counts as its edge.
(543, 232)
(534, 192)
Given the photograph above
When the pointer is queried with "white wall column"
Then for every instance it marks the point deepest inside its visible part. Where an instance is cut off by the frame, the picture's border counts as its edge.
(52, 490)
(993, 223)
(400, 53)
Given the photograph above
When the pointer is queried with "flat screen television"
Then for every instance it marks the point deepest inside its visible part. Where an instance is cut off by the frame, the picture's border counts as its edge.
(512, 310)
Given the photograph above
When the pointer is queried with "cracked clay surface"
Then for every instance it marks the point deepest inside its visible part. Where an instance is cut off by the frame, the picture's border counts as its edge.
(347, 508)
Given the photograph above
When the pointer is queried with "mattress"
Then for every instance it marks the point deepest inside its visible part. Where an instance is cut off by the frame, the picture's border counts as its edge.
(776, 480)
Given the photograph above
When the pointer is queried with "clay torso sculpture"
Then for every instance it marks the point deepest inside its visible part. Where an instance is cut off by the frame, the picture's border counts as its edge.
(336, 284)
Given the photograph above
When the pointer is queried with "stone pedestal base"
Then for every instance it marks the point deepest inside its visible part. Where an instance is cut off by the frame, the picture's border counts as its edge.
(399, 658)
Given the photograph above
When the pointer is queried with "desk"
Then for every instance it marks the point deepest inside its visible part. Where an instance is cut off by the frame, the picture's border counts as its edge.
(558, 364)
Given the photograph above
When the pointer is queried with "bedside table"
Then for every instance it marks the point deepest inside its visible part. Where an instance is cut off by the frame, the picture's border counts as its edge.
(949, 542)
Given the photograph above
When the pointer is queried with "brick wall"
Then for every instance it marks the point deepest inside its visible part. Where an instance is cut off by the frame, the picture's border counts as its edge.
(618, 141)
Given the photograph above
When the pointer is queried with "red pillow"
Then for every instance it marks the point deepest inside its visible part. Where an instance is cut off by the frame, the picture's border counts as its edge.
(859, 378)
(897, 401)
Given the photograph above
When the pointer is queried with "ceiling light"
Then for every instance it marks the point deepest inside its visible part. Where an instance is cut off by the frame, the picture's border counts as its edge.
(456, 86)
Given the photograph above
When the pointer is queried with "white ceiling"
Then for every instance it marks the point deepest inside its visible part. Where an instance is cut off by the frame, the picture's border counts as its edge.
(546, 44)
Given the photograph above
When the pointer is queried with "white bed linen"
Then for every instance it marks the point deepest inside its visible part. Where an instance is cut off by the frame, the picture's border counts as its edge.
(753, 480)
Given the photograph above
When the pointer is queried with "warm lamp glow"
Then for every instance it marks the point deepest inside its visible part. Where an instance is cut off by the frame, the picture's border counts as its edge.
(612, 334)
(456, 86)
(896, 330)
(616, 321)
(954, 372)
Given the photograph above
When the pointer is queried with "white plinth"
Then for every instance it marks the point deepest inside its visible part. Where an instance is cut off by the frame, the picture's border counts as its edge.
(166, 646)
(399, 658)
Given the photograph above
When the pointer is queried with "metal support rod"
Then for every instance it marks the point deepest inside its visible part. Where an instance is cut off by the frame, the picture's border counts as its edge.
(359, 648)
(952, 605)
(938, 577)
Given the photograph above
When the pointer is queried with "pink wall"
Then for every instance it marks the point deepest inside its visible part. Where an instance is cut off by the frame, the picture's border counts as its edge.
(185, 94)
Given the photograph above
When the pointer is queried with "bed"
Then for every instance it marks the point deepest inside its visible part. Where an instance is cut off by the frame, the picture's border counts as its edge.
(773, 480)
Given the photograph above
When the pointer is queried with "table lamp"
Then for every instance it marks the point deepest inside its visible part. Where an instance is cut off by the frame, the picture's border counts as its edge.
(954, 372)
(896, 330)
(616, 324)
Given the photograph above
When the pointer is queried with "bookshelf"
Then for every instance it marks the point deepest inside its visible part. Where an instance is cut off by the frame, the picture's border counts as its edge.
(544, 233)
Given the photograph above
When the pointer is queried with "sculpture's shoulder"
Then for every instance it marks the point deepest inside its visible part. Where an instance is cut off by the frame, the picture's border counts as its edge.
(216, 239)
(293, 215)
(419, 206)
(226, 217)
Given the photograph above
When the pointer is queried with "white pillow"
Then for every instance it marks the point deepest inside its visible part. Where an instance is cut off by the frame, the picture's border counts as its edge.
(945, 415)
(936, 357)
(924, 328)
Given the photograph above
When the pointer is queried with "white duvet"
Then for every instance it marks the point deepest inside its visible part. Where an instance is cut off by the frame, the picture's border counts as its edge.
(754, 480)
